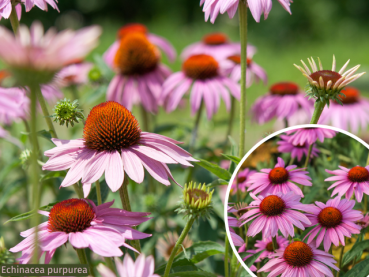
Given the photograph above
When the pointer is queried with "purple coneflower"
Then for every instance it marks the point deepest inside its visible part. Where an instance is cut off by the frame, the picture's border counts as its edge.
(254, 72)
(139, 72)
(12, 104)
(364, 222)
(113, 143)
(30, 50)
(83, 224)
(6, 9)
(75, 73)
(353, 114)
(275, 212)
(279, 179)
(257, 7)
(266, 245)
(142, 267)
(282, 102)
(201, 75)
(334, 221)
(349, 181)
(300, 259)
(165, 245)
(158, 41)
(309, 135)
(296, 151)
(240, 181)
(216, 44)
(6, 6)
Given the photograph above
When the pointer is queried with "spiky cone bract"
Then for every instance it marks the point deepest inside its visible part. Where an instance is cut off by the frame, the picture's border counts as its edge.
(5, 256)
(67, 112)
(196, 201)
(326, 85)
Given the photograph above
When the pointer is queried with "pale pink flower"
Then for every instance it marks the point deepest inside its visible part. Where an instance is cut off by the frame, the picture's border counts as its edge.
(240, 182)
(279, 179)
(113, 143)
(300, 259)
(296, 151)
(282, 101)
(333, 221)
(83, 224)
(215, 44)
(142, 267)
(266, 245)
(202, 77)
(6, 9)
(12, 104)
(309, 135)
(273, 213)
(364, 222)
(42, 4)
(73, 74)
(49, 52)
(254, 72)
(257, 7)
(352, 115)
(139, 72)
(350, 181)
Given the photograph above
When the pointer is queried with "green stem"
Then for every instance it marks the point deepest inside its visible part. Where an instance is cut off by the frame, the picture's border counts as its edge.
(308, 156)
(231, 119)
(275, 245)
(193, 139)
(36, 188)
(242, 11)
(292, 161)
(234, 267)
(178, 245)
(226, 259)
(14, 20)
(45, 111)
(285, 120)
(78, 190)
(83, 259)
(318, 109)
(145, 119)
(74, 91)
(110, 264)
(340, 259)
(98, 192)
(124, 198)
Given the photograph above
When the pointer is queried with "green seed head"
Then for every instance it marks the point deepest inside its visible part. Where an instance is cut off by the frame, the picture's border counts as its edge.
(67, 112)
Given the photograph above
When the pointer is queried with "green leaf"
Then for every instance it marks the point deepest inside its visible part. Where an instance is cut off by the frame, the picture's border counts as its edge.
(356, 250)
(218, 182)
(104, 192)
(311, 195)
(215, 169)
(359, 270)
(53, 174)
(44, 134)
(234, 159)
(10, 190)
(29, 214)
(178, 266)
(250, 261)
(199, 251)
(244, 273)
(193, 274)
(7, 169)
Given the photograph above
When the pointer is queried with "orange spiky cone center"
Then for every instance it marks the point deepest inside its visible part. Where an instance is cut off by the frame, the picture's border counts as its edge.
(272, 205)
(132, 28)
(70, 216)
(110, 126)
(358, 174)
(278, 175)
(136, 55)
(330, 217)
(284, 88)
(352, 95)
(215, 39)
(200, 67)
(298, 254)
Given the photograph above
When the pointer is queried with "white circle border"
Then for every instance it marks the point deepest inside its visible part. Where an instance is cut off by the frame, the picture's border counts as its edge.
(249, 153)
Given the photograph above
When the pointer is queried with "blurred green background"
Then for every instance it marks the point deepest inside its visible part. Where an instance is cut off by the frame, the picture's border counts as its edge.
(315, 28)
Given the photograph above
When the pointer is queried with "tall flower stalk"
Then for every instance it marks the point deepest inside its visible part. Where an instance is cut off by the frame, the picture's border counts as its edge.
(242, 11)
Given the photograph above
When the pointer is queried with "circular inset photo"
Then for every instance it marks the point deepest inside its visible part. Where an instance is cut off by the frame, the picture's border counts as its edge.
(297, 205)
